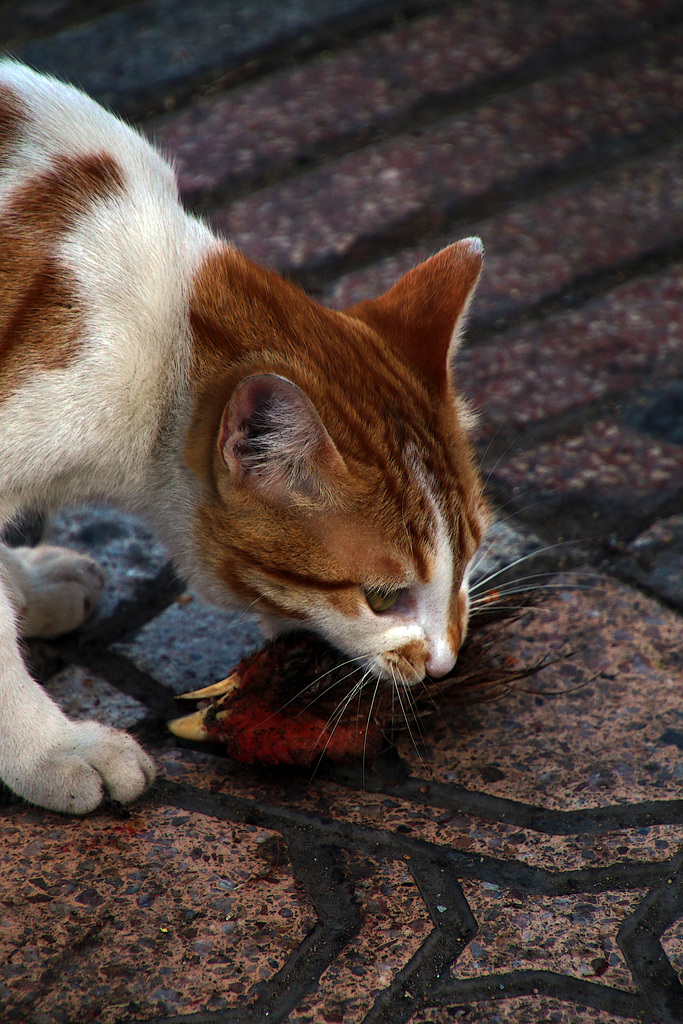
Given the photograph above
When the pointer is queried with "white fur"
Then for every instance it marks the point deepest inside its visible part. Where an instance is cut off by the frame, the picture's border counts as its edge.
(53, 590)
(62, 440)
(44, 756)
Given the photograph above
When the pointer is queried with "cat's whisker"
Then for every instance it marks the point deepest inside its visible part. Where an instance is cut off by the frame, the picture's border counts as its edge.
(478, 486)
(411, 687)
(495, 607)
(488, 599)
(317, 680)
(432, 700)
(489, 540)
(406, 719)
(559, 580)
(409, 698)
(482, 460)
(338, 713)
(367, 728)
(502, 599)
(358, 705)
(500, 458)
(417, 721)
(393, 711)
(308, 686)
(410, 694)
(332, 722)
(519, 561)
(333, 685)
(246, 610)
(485, 602)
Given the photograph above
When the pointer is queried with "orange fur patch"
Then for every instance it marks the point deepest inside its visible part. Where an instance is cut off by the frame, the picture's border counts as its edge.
(41, 320)
(410, 656)
(248, 320)
(418, 311)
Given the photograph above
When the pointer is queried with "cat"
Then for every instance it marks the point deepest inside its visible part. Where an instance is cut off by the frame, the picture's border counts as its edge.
(311, 464)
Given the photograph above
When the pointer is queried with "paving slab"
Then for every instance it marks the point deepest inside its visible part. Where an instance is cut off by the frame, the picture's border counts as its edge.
(510, 860)
(409, 184)
(35, 18)
(557, 245)
(544, 368)
(672, 944)
(521, 1008)
(84, 695)
(655, 559)
(612, 655)
(395, 923)
(131, 57)
(609, 697)
(345, 97)
(191, 644)
(611, 708)
(152, 915)
(537, 935)
(445, 815)
(606, 460)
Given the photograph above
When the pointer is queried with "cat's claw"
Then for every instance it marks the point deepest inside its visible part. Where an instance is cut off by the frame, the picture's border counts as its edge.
(89, 762)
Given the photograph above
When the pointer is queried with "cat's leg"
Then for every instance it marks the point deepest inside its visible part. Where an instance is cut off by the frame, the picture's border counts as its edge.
(44, 756)
(54, 589)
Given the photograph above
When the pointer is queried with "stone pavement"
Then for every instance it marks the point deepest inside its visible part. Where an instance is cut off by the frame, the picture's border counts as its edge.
(518, 860)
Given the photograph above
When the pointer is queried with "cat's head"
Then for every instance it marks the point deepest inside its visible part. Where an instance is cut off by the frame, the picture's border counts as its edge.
(340, 492)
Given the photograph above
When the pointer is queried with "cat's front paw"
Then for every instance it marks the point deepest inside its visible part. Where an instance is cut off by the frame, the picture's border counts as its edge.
(61, 590)
(89, 762)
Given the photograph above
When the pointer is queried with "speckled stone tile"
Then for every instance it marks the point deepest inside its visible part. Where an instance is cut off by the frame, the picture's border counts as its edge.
(514, 1010)
(329, 211)
(243, 133)
(527, 932)
(542, 369)
(146, 50)
(395, 923)
(655, 558)
(480, 837)
(448, 827)
(192, 644)
(606, 459)
(538, 247)
(161, 912)
(83, 695)
(595, 727)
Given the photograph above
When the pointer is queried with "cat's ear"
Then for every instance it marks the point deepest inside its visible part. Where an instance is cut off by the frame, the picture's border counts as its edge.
(424, 312)
(273, 441)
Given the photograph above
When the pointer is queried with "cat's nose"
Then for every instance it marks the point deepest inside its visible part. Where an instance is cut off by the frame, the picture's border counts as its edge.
(440, 660)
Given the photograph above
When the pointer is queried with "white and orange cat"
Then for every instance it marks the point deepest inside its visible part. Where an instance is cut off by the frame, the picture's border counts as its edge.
(311, 464)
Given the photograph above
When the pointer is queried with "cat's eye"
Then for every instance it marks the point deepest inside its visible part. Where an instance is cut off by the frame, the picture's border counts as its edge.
(382, 600)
